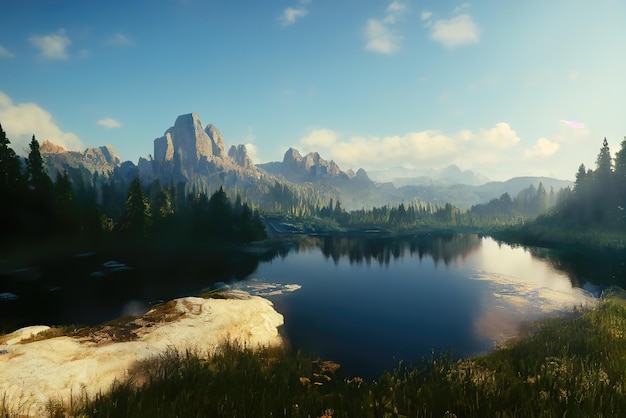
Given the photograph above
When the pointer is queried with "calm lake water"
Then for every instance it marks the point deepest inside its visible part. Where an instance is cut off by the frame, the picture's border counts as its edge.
(366, 303)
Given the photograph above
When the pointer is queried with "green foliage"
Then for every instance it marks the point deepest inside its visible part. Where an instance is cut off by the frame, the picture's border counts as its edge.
(136, 219)
(569, 366)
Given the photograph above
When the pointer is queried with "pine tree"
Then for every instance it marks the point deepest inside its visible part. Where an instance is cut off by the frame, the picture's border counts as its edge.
(11, 178)
(620, 168)
(136, 218)
(38, 179)
(12, 188)
(604, 163)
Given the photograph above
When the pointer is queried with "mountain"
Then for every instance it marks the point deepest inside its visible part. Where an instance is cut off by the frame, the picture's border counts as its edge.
(195, 157)
(447, 176)
(356, 190)
(102, 160)
(463, 195)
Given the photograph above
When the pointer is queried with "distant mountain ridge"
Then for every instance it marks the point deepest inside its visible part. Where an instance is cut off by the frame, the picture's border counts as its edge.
(195, 156)
(101, 159)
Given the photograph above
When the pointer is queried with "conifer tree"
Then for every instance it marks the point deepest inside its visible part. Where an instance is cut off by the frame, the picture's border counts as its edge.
(11, 178)
(38, 179)
(136, 218)
(12, 188)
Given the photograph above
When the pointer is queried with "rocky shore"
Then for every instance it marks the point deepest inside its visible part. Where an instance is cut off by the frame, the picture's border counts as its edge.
(36, 366)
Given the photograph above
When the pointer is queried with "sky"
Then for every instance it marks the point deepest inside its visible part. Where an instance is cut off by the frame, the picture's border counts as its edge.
(503, 88)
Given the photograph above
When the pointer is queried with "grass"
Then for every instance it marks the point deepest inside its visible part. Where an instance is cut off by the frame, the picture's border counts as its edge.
(572, 366)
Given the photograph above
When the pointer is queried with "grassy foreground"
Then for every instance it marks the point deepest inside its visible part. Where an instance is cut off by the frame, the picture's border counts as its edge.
(573, 366)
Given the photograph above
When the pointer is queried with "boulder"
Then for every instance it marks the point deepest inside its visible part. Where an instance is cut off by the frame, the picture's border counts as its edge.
(34, 372)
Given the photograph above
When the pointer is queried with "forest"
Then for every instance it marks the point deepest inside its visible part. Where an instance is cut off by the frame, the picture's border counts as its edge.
(35, 207)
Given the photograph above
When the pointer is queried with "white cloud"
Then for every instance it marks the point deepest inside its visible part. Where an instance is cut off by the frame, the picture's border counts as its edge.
(431, 147)
(5, 53)
(458, 31)
(542, 149)
(380, 34)
(119, 39)
(109, 123)
(52, 46)
(461, 7)
(426, 15)
(21, 121)
(574, 124)
(381, 38)
(324, 138)
(291, 15)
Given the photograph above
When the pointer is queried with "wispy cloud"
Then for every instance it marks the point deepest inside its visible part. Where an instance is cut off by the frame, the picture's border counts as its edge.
(544, 148)
(425, 15)
(461, 7)
(381, 35)
(21, 121)
(119, 39)
(5, 53)
(574, 124)
(53, 46)
(457, 31)
(109, 123)
(381, 38)
(432, 147)
(323, 138)
(290, 15)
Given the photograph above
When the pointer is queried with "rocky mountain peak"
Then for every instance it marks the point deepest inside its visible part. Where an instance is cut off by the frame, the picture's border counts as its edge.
(292, 156)
(217, 140)
(187, 142)
(103, 155)
(48, 147)
(362, 174)
(239, 153)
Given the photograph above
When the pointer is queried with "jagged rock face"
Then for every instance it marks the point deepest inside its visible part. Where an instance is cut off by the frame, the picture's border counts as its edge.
(217, 140)
(292, 157)
(93, 160)
(186, 150)
(311, 167)
(361, 174)
(239, 153)
(164, 148)
(48, 147)
(103, 155)
(145, 169)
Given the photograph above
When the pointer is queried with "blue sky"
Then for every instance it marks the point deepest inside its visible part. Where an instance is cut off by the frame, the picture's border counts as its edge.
(499, 87)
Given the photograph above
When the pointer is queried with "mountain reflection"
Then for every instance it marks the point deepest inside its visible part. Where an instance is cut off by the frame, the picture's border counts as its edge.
(383, 250)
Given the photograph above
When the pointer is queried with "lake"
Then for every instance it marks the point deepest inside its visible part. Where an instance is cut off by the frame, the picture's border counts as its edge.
(369, 303)
(366, 303)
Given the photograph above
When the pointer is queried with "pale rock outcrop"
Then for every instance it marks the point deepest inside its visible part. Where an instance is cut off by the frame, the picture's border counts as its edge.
(217, 140)
(103, 155)
(31, 373)
(239, 153)
(93, 160)
(164, 148)
(48, 147)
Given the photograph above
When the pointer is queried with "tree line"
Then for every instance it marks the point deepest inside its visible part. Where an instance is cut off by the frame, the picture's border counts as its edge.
(33, 206)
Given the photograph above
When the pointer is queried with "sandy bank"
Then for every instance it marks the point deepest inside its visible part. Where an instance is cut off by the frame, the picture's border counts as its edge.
(32, 372)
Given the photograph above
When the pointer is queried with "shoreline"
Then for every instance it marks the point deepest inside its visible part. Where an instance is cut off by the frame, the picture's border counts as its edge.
(37, 370)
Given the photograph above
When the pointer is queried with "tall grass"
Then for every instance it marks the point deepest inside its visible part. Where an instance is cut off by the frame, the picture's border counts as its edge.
(572, 366)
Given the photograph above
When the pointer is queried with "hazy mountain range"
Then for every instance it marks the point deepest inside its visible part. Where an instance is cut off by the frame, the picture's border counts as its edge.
(196, 156)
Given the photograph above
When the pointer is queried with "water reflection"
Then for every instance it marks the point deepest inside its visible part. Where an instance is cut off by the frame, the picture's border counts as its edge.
(383, 250)
(369, 302)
